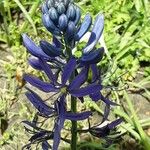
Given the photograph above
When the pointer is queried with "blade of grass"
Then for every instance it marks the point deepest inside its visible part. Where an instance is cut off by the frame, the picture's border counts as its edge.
(144, 139)
(26, 15)
(31, 12)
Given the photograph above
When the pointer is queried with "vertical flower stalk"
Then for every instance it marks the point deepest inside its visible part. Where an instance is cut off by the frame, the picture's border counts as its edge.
(67, 76)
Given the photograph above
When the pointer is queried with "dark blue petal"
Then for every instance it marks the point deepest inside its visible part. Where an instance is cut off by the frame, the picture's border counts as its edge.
(71, 12)
(45, 145)
(84, 27)
(96, 96)
(49, 24)
(38, 136)
(100, 132)
(43, 86)
(78, 116)
(107, 101)
(47, 70)
(96, 33)
(39, 104)
(95, 73)
(61, 8)
(92, 88)
(78, 15)
(49, 49)
(34, 62)
(92, 57)
(57, 133)
(32, 48)
(53, 14)
(71, 30)
(44, 8)
(68, 70)
(115, 123)
(106, 113)
(31, 124)
(63, 22)
(79, 79)
(56, 42)
(50, 3)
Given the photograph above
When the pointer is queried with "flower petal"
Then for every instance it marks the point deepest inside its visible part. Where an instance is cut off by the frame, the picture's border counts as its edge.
(68, 70)
(57, 133)
(115, 123)
(92, 57)
(95, 73)
(107, 101)
(38, 136)
(96, 96)
(47, 70)
(106, 113)
(43, 86)
(32, 48)
(79, 79)
(49, 49)
(78, 15)
(38, 103)
(50, 25)
(84, 27)
(34, 62)
(77, 116)
(96, 33)
(92, 88)
(46, 145)
(56, 42)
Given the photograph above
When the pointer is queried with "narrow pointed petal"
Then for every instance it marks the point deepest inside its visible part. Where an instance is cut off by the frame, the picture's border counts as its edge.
(95, 73)
(106, 113)
(47, 70)
(107, 101)
(93, 88)
(38, 136)
(63, 22)
(77, 116)
(46, 145)
(96, 96)
(32, 48)
(56, 42)
(84, 27)
(49, 49)
(38, 103)
(92, 57)
(43, 86)
(71, 30)
(68, 70)
(96, 33)
(79, 79)
(49, 24)
(78, 15)
(115, 123)
(34, 62)
(31, 125)
(57, 133)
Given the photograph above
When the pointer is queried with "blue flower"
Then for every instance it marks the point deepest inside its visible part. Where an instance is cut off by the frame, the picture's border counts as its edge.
(64, 88)
(104, 131)
(59, 110)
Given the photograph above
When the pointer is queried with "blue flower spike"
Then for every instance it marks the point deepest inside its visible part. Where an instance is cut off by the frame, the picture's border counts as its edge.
(66, 77)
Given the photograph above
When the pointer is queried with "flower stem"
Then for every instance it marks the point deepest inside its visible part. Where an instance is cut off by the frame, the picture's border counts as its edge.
(74, 125)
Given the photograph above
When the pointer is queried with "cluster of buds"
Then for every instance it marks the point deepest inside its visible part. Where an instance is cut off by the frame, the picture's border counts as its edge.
(56, 60)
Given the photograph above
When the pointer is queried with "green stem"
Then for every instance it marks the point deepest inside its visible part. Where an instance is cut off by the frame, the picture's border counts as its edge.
(74, 125)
